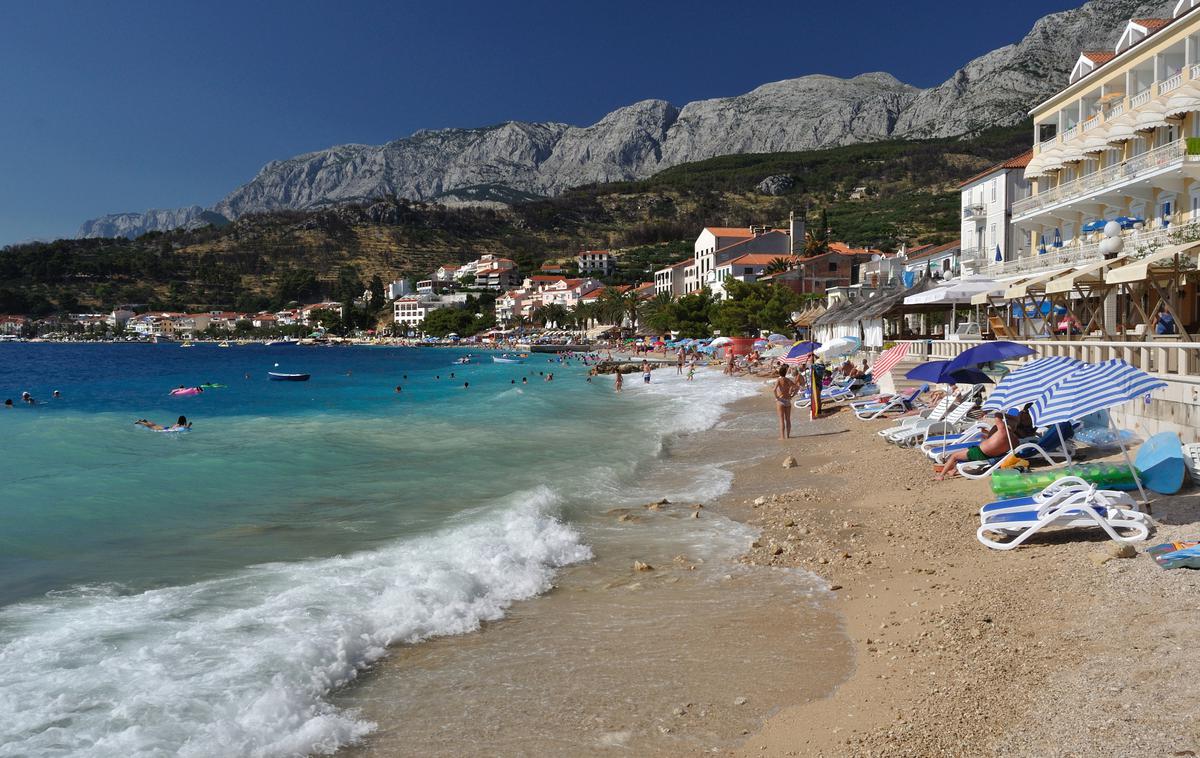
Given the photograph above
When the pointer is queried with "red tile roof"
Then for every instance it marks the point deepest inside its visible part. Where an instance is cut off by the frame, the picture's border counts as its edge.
(926, 251)
(758, 259)
(1019, 161)
(1152, 24)
(729, 231)
(1099, 56)
(547, 278)
(748, 240)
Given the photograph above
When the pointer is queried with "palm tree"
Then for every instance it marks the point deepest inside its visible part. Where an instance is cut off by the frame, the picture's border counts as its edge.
(656, 311)
(610, 307)
(581, 315)
(553, 314)
(779, 265)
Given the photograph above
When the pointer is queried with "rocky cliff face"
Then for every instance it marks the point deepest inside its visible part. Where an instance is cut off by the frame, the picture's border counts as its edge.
(517, 159)
(1001, 86)
(132, 225)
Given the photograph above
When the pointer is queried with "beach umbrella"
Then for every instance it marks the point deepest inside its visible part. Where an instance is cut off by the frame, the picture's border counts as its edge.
(839, 346)
(940, 372)
(1028, 382)
(999, 255)
(1095, 387)
(1042, 246)
(720, 341)
(801, 352)
(888, 359)
(1127, 222)
(1092, 387)
(990, 352)
(779, 339)
(1093, 226)
(1057, 237)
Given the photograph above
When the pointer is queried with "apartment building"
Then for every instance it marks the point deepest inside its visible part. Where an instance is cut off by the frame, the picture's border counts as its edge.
(988, 236)
(598, 262)
(1113, 145)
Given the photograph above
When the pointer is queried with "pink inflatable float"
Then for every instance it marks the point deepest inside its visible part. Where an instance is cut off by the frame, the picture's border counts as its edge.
(186, 391)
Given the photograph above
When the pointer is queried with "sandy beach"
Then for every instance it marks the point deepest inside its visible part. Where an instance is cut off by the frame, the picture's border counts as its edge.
(1054, 649)
(914, 641)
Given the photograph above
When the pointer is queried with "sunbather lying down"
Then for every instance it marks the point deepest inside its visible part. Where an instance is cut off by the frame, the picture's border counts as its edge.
(995, 443)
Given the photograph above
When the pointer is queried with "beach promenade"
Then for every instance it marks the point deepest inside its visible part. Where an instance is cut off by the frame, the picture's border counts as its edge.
(1054, 649)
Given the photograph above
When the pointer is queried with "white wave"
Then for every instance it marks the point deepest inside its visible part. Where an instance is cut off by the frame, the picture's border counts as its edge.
(242, 665)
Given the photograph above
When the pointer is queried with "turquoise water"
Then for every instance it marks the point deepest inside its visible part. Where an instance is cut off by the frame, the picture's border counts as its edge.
(202, 593)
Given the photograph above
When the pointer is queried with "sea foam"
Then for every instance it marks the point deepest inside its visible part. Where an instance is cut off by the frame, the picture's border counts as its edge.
(242, 665)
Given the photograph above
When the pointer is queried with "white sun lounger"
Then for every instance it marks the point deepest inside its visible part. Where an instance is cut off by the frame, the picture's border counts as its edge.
(892, 405)
(955, 422)
(1069, 502)
(936, 413)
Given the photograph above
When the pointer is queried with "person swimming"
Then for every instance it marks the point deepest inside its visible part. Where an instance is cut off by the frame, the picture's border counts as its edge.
(397, 387)
(180, 425)
(8, 403)
(55, 393)
(524, 380)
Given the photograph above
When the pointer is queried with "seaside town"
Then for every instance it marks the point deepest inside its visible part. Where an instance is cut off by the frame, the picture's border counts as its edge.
(978, 447)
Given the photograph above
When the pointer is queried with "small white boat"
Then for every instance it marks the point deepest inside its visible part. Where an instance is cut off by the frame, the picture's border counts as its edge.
(223, 343)
(507, 358)
(186, 344)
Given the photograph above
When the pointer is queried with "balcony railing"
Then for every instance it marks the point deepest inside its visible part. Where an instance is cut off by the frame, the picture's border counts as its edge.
(1141, 98)
(1151, 160)
(1170, 83)
(1069, 134)
(1116, 109)
(1195, 71)
(973, 210)
(1074, 254)
(1090, 123)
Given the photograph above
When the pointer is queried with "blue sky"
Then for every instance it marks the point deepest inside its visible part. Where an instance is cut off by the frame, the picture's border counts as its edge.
(123, 106)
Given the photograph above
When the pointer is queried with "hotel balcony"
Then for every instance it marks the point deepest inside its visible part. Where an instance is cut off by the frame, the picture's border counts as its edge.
(1076, 252)
(1140, 171)
(975, 210)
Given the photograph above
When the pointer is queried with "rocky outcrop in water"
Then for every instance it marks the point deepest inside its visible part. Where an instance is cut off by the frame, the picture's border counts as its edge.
(516, 160)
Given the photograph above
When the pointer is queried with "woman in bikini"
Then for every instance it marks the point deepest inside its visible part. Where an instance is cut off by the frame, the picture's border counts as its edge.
(785, 390)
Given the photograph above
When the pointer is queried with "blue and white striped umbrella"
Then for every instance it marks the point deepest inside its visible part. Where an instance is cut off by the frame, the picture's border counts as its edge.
(1027, 383)
(1090, 388)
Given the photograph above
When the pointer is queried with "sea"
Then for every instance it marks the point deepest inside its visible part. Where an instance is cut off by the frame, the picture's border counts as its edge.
(237, 589)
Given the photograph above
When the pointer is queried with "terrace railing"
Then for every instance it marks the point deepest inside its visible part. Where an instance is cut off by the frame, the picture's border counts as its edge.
(1074, 254)
(1151, 160)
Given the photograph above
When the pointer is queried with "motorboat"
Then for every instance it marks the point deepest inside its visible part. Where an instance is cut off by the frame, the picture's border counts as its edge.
(280, 377)
(507, 358)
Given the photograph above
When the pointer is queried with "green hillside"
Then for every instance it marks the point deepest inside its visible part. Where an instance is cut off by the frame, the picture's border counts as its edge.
(266, 260)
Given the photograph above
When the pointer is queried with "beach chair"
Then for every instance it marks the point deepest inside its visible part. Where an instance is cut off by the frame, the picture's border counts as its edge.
(897, 403)
(833, 394)
(936, 413)
(1049, 447)
(954, 423)
(938, 449)
(1069, 503)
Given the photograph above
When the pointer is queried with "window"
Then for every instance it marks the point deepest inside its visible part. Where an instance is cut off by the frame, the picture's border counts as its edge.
(833, 267)
(747, 270)
(993, 190)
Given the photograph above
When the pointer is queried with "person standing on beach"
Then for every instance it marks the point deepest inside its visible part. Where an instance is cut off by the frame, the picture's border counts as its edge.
(729, 362)
(679, 363)
(785, 390)
(620, 381)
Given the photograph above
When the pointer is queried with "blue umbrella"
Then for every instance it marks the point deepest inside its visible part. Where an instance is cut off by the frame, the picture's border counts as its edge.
(989, 352)
(1057, 237)
(1090, 388)
(999, 255)
(1093, 226)
(1028, 382)
(940, 372)
(1127, 222)
(1042, 247)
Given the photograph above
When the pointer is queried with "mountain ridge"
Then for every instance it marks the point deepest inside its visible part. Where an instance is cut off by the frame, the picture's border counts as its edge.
(638, 140)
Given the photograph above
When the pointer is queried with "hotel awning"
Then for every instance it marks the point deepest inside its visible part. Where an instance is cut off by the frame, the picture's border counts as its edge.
(1021, 289)
(1136, 271)
(1002, 284)
(1121, 128)
(1183, 100)
(1085, 275)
